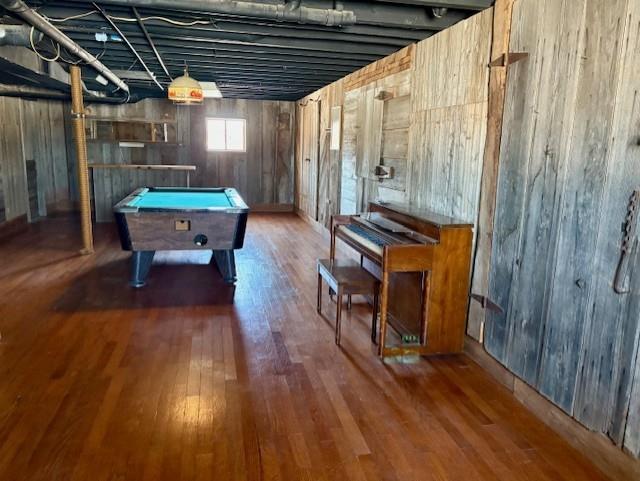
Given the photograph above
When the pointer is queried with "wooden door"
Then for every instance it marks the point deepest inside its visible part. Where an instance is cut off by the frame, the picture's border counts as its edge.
(309, 164)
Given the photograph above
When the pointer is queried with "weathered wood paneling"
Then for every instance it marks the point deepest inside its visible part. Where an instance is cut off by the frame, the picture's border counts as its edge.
(447, 152)
(449, 111)
(541, 92)
(626, 148)
(307, 165)
(263, 174)
(427, 122)
(611, 334)
(328, 160)
(502, 16)
(31, 139)
(348, 178)
(571, 286)
(16, 196)
(569, 162)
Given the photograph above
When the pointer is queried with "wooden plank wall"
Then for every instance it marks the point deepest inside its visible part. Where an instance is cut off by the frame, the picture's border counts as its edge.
(14, 182)
(569, 159)
(375, 119)
(569, 162)
(110, 185)
(328, 160)
(449, 117)
(308, 151)
(263, 174)
(32, 132)
(405, 111)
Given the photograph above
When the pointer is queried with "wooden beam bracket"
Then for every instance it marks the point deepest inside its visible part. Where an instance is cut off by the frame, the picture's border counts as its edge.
(513, 57)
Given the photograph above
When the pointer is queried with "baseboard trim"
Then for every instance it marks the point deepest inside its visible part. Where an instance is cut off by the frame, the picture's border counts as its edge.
(62, 207)
(611, 460)
(13, 227)
(266, 208)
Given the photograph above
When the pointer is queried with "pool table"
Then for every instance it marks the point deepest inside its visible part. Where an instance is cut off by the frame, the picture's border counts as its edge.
(167, 218)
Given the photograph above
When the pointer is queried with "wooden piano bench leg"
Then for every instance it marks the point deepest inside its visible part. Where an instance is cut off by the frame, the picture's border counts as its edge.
(338, 317)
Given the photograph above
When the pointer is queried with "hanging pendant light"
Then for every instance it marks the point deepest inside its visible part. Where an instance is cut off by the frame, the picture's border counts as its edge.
(185, 90)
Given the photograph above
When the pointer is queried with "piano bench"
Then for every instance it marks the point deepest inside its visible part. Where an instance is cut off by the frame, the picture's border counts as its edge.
(346, 277)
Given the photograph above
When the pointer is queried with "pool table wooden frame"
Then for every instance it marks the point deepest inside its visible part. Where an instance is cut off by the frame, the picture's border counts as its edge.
(145, 230)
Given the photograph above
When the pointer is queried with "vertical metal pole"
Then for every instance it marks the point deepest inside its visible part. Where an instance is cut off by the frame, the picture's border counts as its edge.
(77, 114)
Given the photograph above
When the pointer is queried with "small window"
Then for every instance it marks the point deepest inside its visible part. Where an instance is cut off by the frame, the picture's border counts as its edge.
(226, 135)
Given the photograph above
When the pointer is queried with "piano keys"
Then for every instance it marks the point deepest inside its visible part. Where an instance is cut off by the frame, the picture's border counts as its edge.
(423, 261)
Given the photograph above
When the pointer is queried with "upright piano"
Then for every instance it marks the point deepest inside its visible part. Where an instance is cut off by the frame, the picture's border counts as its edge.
(423, 261)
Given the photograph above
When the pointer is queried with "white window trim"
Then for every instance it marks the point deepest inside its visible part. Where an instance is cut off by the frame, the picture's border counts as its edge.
(244, 131)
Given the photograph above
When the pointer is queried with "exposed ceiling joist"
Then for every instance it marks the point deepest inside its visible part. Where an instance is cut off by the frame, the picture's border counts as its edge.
(262, 53)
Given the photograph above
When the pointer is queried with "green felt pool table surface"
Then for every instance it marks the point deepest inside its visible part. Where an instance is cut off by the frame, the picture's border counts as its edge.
(181, 200)
(177, 199)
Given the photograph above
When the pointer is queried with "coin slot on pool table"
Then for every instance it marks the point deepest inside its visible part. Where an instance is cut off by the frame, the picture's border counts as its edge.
(200, 240)
(183, 225)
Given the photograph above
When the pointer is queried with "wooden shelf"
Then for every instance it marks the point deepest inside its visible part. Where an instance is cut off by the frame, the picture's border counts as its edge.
(132, 119)
(146, 142)
(189, 168)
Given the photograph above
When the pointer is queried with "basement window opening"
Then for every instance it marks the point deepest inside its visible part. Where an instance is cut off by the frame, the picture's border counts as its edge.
(226, 135)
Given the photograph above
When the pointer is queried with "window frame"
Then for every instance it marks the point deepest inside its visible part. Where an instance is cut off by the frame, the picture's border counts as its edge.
(225, 120)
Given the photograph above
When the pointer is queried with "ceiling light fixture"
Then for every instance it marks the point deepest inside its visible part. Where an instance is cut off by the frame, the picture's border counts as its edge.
(186, 90)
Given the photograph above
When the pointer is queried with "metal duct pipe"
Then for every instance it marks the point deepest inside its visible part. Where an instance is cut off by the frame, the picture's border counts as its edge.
(33, 18)
(24, 92)
(282, 12)
(31, 92)
(18, 35)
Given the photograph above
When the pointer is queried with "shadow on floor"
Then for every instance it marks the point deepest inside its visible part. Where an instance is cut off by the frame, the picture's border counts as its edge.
(170, 284)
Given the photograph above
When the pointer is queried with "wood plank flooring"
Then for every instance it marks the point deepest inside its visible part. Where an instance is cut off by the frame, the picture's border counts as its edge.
(187, 380)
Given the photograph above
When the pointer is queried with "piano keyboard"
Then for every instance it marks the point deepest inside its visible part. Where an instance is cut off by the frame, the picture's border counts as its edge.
(364, 237)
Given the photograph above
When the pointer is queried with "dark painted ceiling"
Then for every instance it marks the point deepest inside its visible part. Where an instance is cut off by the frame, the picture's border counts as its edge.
(248, 57)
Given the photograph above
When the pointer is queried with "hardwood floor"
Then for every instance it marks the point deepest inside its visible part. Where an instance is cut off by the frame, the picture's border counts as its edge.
(175, 382)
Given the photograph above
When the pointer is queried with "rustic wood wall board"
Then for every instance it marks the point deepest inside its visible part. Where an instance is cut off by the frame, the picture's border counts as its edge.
(572, 112)
(284, 178)
(14, 178)
(348, 178)
(263, 174)
(31, 131)
(502, 18)
(540, 95)
(611, 331)
(570, 286)
(328, 160)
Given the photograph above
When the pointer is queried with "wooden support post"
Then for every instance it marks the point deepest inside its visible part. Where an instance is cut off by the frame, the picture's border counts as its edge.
(77, 114)
(503, 10)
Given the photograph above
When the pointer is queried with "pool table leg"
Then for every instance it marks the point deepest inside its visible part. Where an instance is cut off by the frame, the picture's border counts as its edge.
(140, 265)
(226, 262)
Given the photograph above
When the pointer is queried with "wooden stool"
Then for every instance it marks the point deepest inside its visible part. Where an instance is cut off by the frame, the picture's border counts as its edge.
(346, 277)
